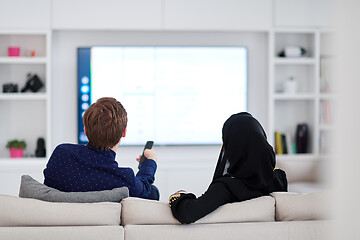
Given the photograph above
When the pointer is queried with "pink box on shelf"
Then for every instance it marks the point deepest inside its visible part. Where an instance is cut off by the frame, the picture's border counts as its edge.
(13, 51)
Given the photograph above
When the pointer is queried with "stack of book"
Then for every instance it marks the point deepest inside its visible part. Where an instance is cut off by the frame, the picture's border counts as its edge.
(325, 112)
(283, 144)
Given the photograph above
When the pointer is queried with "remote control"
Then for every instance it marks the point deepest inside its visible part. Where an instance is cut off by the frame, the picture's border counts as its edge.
(148, 145)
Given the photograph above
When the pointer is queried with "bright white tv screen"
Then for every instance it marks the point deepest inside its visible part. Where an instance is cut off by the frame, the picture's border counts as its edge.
(173, 95)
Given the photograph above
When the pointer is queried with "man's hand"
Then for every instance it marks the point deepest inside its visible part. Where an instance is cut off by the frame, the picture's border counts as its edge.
(149, 154)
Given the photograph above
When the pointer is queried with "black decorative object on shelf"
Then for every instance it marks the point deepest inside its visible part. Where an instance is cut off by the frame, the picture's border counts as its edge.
(33, 83)
(292, 51)
(302, 134)
(40, 148)
(10, 88)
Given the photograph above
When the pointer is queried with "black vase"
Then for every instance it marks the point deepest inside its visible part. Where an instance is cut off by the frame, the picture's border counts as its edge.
(302, 135)
(40, 148)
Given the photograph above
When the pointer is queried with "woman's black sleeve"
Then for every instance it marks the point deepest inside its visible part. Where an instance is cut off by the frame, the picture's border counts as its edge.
(188, 209)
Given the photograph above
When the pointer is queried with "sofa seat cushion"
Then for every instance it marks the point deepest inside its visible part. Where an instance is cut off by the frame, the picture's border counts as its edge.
(301, 206)
(148, 212)
(17, 211)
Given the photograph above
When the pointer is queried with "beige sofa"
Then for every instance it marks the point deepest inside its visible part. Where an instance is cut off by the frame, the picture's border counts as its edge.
(279, 216)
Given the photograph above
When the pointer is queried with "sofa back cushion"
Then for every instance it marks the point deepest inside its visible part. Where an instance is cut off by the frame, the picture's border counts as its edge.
(136, 211)
(143, 211)
(16, 211)
(301, 206)
(260, 209)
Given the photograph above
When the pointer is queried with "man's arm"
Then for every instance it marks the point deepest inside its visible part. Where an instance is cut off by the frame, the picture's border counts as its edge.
(146, 174)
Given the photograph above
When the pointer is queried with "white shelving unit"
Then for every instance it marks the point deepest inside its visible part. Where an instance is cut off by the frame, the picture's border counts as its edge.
(25, 115)
(308, 103)
(327, 90)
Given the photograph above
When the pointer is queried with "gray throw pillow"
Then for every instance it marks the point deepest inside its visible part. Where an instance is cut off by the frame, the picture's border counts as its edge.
(30, 188)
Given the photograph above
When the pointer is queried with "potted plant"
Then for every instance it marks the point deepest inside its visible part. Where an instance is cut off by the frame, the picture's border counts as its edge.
(16, 148)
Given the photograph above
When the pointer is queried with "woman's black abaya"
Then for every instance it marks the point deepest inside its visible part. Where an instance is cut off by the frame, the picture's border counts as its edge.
(245, 170)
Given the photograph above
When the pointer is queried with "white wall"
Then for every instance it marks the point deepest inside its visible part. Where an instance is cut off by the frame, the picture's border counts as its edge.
(25, 14)
(178, 162)
(302, 13)
(203, 22)
(253, 15)
(347, 142)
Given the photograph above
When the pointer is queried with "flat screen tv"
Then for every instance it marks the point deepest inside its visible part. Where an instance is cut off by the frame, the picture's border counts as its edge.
(174, 95)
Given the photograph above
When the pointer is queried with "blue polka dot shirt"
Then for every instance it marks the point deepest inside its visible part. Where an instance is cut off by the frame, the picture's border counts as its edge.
(82, 168)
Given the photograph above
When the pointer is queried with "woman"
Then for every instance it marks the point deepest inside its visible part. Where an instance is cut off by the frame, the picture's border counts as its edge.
(245, 170)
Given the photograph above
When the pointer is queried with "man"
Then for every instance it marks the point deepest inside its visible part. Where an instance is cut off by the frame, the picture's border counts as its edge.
(92, 167)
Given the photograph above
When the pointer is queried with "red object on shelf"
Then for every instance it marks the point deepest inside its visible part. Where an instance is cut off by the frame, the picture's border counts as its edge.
(16, 152)
(13, 51)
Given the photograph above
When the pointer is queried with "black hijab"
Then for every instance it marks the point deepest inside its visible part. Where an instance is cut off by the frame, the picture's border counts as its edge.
(251, 158)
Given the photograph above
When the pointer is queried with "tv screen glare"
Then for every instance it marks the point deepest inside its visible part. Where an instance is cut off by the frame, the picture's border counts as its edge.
(174, 95)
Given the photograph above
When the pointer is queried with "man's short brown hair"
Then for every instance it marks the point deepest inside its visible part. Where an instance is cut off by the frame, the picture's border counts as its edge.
(105, 121)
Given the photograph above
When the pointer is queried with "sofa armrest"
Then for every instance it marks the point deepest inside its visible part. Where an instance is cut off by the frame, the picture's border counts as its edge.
(301, 206)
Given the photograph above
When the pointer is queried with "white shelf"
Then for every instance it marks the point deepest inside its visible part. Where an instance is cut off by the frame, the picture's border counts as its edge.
(22, 160)
(298, 96)
(23, 31)
(23, 96)
(297, 157)
(295, 31)
(297, 61)
(22, 166)
(23, 60)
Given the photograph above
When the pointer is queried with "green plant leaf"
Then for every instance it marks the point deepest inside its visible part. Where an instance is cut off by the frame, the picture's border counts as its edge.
(16, 144)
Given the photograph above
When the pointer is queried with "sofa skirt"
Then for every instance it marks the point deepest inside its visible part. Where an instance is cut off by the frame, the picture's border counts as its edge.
(294, 230)
(61, 233)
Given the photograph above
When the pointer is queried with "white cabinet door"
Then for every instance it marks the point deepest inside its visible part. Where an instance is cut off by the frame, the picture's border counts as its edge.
(302, 13)
(218, 15)
(106, 14)
(21, 14)
(12, 170)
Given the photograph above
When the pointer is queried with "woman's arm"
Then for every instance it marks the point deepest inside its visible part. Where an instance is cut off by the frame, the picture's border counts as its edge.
(186, 208)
